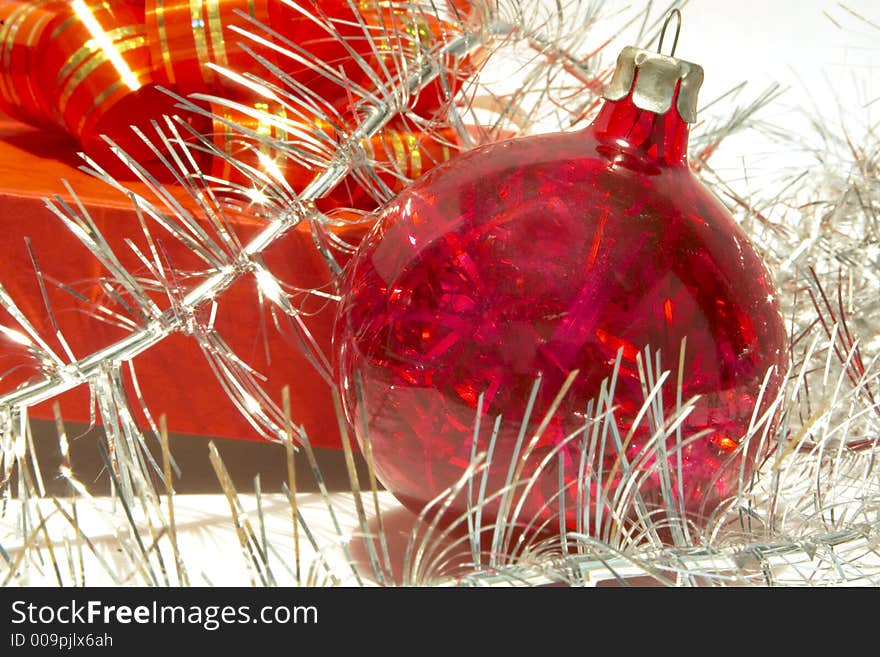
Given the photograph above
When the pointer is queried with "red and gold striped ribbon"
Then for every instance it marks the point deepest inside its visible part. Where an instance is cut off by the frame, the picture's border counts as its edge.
(96, 55)
(22, 26)
(186, 35)
(230, 139)
(93, 67)
(395, 149)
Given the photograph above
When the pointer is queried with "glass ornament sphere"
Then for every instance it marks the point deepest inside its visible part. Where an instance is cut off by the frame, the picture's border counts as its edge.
(595, 252)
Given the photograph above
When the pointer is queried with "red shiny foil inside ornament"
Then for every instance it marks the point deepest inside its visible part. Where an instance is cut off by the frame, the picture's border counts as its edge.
(544, 255)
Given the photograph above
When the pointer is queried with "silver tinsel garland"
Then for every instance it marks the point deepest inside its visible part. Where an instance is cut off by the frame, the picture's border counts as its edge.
(808, 518)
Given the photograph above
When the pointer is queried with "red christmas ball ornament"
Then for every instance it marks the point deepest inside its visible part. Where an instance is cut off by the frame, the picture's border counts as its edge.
(558, 254)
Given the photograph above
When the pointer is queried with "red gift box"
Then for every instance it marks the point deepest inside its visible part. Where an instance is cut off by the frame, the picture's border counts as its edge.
(174, 376)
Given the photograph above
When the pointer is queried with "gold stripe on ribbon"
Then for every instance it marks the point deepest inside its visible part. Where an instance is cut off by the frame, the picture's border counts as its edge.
(62, 27)
(163, 42)
(104, 95)
(37, 30)
(89, 48)
(271, 127)
(35, 33)
(415, 156)
(399, 151)
(280, 130)
(93, 26)
(200, 38)
(92, 63)
(263, 127)
(8, 31)
(215, 28)
(268, 125)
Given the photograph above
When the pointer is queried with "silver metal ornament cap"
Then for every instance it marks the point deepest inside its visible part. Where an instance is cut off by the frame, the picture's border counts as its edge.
(653, 78)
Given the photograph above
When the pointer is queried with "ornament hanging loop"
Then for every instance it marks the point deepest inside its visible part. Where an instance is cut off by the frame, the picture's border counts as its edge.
(677, 14)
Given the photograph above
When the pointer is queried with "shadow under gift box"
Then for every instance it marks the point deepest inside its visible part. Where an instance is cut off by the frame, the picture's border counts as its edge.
(174, 376)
